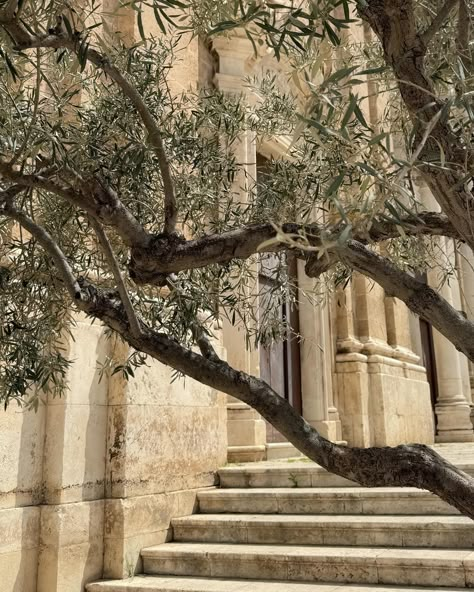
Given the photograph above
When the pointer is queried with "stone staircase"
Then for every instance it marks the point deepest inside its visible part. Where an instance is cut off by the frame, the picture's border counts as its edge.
(291, 526)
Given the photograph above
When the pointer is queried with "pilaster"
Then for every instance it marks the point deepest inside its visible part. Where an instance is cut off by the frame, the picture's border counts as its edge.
(246, 430)
(452, 409)
(317, 353)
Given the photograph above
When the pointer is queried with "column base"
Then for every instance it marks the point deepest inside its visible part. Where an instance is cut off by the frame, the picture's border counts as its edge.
(277, 450)
(454, 422)
(329, 429)
(238, 454)
(454, 436)
(246, 434)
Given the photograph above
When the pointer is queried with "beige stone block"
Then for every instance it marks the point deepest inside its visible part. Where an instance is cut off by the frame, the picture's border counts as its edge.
(146, 441)
(211, 502)
(196, 564)
(310, 504)
(134, 523)
(19, 528)
(246, 432)
(144, 514)
(469, 570)
(71, 549)
(88, 349)
(72, 524)
(67, 569)
(21, 456)
(18, 570)
(415, 567)
(153, 384)
(323, 571)
(254, 568)
(122, 557)
(80, 434)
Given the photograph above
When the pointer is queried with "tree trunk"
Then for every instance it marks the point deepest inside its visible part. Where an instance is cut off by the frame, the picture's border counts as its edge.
(412, 465)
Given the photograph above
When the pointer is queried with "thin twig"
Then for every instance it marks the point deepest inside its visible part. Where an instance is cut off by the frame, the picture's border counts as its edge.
(463, 31)
(154, 134)
(438, 21)
(34, 115)
(199, 334)
(49, 245)
(115, 268)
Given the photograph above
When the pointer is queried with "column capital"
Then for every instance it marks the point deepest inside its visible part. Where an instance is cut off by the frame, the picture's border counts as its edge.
(236, 59)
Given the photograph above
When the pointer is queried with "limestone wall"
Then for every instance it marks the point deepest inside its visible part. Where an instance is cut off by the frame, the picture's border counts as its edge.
(90, 479)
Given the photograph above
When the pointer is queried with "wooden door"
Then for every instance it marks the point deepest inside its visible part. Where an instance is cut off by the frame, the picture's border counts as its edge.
(429, 362)
(280, 364)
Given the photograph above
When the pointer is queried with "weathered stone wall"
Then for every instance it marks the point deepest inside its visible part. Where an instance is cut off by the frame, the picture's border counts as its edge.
(90, 479)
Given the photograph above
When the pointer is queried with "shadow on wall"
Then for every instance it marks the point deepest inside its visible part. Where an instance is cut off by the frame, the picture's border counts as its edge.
(72, 517)
(28, 494)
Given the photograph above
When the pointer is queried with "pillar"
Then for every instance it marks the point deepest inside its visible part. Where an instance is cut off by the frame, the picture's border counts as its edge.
(317, 352)
(383, 392)
(246, 430)
(466, 279)
(351, 372)
(452, 409)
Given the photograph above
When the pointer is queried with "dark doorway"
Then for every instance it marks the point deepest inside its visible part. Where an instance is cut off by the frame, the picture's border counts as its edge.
(280, 363)
(429, 362)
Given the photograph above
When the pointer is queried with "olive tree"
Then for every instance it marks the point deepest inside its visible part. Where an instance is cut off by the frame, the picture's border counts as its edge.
(118, 196)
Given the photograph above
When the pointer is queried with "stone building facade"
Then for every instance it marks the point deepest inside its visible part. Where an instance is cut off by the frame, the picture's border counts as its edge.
(89, 480)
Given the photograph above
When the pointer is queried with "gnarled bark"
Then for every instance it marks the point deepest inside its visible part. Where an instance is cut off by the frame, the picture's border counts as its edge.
(394, 22)
(412, 465)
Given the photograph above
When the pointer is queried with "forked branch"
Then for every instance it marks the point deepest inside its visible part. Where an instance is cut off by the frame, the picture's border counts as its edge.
(49, 245)
(60, 40)
(115, 268)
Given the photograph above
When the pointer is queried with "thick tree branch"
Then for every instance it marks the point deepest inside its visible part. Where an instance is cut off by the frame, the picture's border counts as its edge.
(463, 32)
(408, 465)
(170, 254)
(439, 21)
(418, 296)
(61, 41)
(92, 196)
(115, 268)
(9, 20)
(394, 23)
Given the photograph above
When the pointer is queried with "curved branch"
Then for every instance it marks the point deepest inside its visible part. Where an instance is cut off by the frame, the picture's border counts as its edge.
(60, 40)
(98, 201)
(49, 245)
(114, 266)
(166, 255)
(409, 465)
(439, 20)
(394, 22)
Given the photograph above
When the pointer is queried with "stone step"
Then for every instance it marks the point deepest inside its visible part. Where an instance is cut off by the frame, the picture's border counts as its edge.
(456, 532)
(326, 500)
(289, 474)
(361, 565)
(186, 584)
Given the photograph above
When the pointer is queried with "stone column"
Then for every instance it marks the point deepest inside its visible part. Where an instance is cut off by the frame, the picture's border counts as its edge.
(351, 372)
(396, 406)
(398, 330)
(317, 351)
(466, 280)
(246, 430)
(452, 409)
